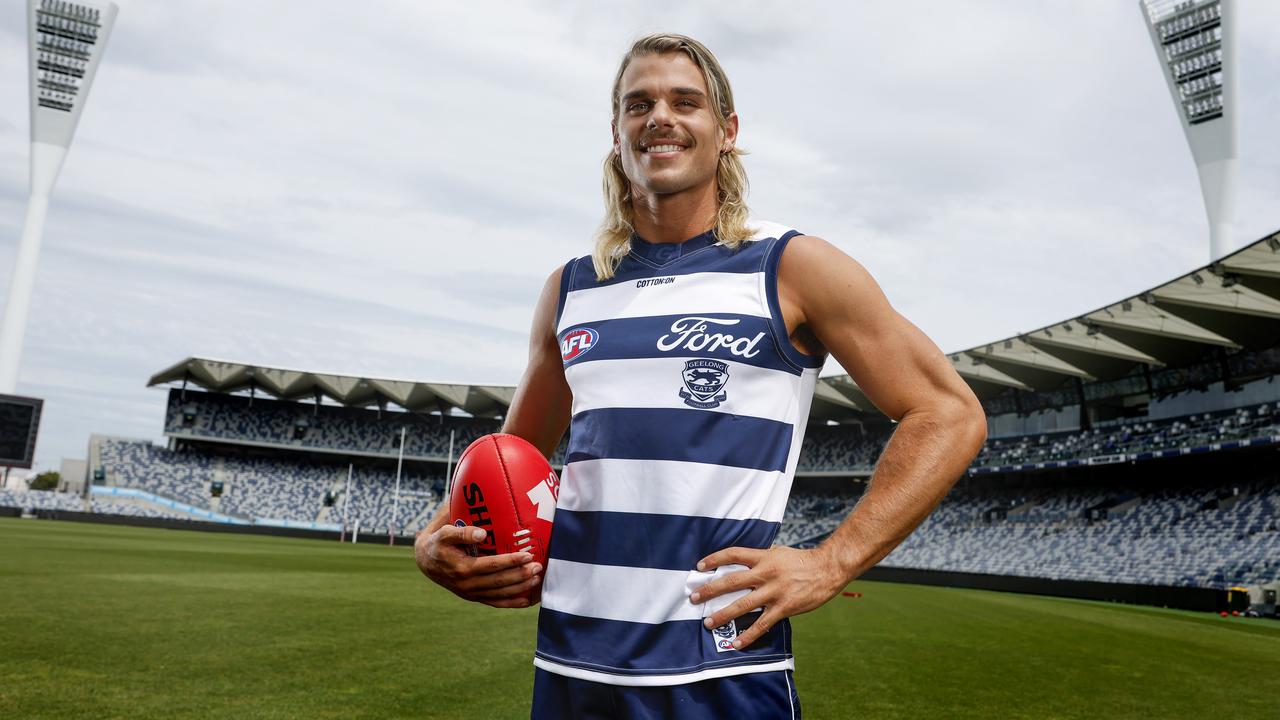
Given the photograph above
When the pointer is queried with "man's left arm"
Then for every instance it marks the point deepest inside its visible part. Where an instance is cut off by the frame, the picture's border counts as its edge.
(941, 428)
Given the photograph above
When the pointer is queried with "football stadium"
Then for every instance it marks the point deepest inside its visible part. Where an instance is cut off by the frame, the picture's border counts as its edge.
(1114, 550)
(1116, 544)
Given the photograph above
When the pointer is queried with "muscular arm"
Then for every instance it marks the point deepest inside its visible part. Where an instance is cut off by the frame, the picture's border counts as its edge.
(539, 413)
(834, 303)
(941, 425)
(539, 410)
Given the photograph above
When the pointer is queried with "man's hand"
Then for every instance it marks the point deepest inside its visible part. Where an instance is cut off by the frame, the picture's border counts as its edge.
(495, 580)
(785, 582)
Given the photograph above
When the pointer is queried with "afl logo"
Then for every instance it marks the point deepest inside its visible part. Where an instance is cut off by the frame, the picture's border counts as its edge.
(575, 343)
(468, 549)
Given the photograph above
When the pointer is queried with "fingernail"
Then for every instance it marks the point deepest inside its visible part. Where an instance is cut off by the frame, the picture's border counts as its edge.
(478, 534)
(535, 568)
(737, 644)
(707, 623)
(695, 597)
(702, 565)
(536, 579)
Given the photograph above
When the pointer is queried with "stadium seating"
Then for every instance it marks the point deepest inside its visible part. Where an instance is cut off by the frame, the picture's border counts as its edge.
(1134, 437)
(319, 427)
(109, 507)
(854, 450)
(276, 488)
(827, 448)
(1207, 536)
(840, 448)
(31, 500)
(812, 515)
(372, 502)
(185, 477)
(258, 488)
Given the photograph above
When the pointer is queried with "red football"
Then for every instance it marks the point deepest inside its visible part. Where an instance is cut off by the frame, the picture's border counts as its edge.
(503, 484)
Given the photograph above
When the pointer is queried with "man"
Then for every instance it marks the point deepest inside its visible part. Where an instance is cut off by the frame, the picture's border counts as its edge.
(685, 351)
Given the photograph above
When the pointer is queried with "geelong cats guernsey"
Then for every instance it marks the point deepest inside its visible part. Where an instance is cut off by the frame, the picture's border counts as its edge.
(689, 405)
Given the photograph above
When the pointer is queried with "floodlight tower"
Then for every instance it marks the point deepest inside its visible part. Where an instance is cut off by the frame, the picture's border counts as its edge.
(1195, 41)
(65, 42)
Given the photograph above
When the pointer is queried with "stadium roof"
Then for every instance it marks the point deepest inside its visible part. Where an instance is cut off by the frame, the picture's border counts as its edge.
(353, 390)
(1232, 303)
(226, 376)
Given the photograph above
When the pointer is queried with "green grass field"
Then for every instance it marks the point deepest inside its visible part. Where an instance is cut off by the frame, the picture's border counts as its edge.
(115, 622)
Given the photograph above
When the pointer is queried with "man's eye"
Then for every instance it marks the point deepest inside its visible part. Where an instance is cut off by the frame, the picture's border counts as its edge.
(633, 107)
(689, 103)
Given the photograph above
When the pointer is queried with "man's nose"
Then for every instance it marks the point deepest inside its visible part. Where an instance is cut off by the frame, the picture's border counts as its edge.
(662, 115)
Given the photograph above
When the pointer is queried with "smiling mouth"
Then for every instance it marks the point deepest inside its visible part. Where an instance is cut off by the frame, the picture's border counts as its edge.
(663, 148)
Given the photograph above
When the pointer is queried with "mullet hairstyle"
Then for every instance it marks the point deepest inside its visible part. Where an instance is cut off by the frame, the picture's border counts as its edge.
(613, 240)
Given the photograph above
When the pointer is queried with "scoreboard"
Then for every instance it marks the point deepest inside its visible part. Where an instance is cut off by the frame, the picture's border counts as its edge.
(19, 424)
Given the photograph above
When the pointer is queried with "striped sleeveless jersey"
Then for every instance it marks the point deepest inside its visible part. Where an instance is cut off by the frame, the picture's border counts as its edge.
(689, 406)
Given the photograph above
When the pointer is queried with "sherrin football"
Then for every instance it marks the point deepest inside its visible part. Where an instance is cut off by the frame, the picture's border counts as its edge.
(503, 485)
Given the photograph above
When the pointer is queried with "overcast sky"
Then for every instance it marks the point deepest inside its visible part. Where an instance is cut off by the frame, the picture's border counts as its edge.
(382, 186)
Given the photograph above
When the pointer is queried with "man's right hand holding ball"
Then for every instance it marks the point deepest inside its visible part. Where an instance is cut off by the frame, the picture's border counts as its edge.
(502, 581)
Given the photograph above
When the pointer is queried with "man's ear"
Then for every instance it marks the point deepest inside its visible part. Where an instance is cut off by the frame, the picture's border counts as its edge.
(617, 144)
(730, 133)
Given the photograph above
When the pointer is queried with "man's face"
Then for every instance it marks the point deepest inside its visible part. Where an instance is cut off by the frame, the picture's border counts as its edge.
(665, 129)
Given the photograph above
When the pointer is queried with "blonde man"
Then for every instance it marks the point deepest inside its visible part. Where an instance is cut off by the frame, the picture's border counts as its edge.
(683, 354)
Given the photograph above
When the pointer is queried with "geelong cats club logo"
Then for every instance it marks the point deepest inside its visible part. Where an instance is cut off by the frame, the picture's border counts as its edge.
(724, 636)
(704, 380)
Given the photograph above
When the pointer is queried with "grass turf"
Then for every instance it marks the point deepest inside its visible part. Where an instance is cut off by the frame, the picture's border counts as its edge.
(119, 622)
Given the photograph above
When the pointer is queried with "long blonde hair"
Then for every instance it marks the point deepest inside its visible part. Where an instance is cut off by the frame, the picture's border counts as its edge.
(613, 240)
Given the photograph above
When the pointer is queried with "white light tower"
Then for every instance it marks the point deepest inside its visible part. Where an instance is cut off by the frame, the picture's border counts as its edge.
(1195, 41)
(65, 43)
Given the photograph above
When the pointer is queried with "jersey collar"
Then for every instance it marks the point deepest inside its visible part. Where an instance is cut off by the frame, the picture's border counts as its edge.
(663, 253)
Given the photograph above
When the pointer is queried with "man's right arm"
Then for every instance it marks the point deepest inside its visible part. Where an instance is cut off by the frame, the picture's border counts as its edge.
(539, 413)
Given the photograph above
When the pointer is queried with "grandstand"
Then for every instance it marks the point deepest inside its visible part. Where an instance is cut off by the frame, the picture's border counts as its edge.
(1118, 526)
(227, 482)
(1130, 444)
(319, 428)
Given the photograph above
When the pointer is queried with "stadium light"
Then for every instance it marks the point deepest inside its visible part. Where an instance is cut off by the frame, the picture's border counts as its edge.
(1195, 43)
(65, 44)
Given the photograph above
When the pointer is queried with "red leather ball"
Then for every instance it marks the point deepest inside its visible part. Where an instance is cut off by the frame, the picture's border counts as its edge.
(502, 484)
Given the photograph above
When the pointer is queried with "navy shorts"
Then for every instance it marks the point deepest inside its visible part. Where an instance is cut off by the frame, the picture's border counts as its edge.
(762, 696)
